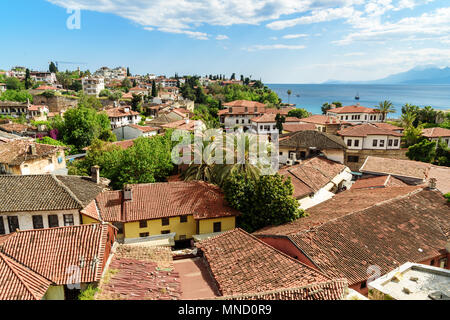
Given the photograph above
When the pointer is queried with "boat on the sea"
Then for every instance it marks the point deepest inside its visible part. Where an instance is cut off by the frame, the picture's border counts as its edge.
(357, 96)
(298, 96)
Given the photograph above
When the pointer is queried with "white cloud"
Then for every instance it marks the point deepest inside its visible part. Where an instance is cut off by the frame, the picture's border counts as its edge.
(295, 36)
(222, 37)
(260, 47)
(434, 25)
(192, 34)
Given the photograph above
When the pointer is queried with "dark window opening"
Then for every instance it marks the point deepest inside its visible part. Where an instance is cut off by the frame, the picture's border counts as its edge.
(183, 219)
(165, 221)
(13, 223)
(143, 224)
(38, 222)
(53, 221)
(375, 143)
(363, 285)
(353, 159)
(356, 143)
(2, 226)
(144, 234)
(218, 227)
(432, 263)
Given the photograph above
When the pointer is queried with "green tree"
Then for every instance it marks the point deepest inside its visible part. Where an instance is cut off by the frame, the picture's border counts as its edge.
(28, 82)
(154, 89)
(299, 113)
(325, 107)
(408, 119)
(126, 83)
(52, 67)
(16, 95)
(14, 84)
(385, 107)
(262, 202)
(81, 126)
(424, 151)
(412, 135)
(279, 122)
(442, 157)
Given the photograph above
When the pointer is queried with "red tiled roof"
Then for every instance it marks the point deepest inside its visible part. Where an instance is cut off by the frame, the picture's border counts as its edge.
(294, 127)
(18, 282)
(378, 182)
(414, 227)
(312, 175)
(340, 205)
(388, 126)
(436, 132)
(181, 125)
(52, 252)
(160, 200)
(36, 107)
(18, 151)
(242, 264)
(244, 103)
(143, 128)
(363, 130)
(396, 167)
(46, 88)
(120, 112)
(354, 109)
(321, 119)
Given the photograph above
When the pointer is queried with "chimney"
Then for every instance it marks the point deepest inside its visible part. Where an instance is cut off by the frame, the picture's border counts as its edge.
(432, 184)
(95, 174)
(127, 193)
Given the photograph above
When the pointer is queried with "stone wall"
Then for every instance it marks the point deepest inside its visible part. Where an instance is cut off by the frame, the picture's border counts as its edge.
(56, 103)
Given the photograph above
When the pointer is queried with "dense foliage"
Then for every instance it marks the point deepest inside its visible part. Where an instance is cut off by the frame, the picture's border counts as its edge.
(263, 201)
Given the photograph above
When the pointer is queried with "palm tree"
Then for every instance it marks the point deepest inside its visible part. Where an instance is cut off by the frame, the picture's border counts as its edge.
(289, 92)
(408, 119)
(385, 107)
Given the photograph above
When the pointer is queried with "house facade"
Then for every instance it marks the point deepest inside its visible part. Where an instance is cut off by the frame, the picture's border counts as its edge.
(43, 201)
(163, 211)
(298, 146)
(356, 114)
(92, 86)
(436, 134)
(266, 124)
(123, 116)
(22, 157)
(134, 131)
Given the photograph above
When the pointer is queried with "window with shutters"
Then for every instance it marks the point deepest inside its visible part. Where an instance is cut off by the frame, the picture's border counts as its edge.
(68, 220)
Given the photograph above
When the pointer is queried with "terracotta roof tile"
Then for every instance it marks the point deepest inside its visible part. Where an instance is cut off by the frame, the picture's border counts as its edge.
(395, 167)
(242, 264)
(312, 139)
(120, 112)
(244, 103)
(436, 132)
(290, 127)
(159, 200)
(17, 152)
(354, 109)
(415, 228)
(378, 182)
(143, 128)
(312, 175)
(18, 282)
(340, 205)
(321, 119)
(51, 252)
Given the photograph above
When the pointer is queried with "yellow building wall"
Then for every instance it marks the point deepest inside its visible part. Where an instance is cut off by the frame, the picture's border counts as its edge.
(188, 229)
(88, 220)
(54, 293)
(155, 227)
(207, 226)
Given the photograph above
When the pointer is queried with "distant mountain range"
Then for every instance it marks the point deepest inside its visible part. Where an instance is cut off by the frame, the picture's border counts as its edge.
(418, 75)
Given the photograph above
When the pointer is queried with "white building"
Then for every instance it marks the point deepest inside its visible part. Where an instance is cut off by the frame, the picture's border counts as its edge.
(317, 180)
(47, 77)
(266, 124)
(118, 73)
(92, 86)
(434, 134)
(356, 114)
(123, 116)
(370, 137)
(133, 131)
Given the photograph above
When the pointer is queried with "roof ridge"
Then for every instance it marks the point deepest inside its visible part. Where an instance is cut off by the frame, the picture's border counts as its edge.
(11, 267)
(67, 189)
(270, 248)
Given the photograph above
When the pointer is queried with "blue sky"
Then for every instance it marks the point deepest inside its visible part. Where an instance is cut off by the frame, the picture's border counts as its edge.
(279, 41)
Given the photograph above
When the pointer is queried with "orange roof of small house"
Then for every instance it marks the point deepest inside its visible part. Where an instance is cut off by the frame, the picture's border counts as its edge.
(354, 109)
(321, 119)
(244, 103)
(378, 182)
(295, 127)
(436, 132)
(163, 200)
(363, 130)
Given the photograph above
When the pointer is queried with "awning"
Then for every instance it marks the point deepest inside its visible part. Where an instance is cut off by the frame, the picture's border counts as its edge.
(206, 236)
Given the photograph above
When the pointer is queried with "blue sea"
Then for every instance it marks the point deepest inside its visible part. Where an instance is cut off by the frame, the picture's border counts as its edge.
(313, 96)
